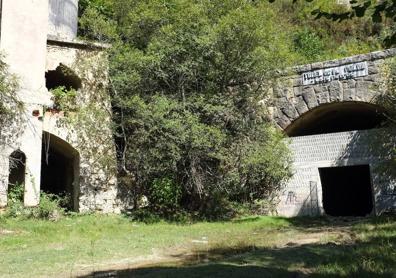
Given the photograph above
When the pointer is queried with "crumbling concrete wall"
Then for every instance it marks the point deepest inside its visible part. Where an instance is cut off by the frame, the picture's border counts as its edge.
(63, 19)
(88, 129)
(23, 42)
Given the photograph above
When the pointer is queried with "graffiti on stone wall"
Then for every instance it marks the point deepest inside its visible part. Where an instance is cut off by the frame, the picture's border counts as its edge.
(291, 198)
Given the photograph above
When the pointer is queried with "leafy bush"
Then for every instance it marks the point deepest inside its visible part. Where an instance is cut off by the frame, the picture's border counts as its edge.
(309, 45)
(64, 99)
(95, 26)
(165, 195)
(49, 207)
(188, 78)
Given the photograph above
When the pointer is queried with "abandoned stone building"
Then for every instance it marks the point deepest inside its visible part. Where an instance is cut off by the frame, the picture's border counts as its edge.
(327, 109)
(51, 153)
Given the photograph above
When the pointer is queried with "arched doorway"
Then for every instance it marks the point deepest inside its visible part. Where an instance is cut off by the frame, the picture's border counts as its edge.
(17, 172)
(60, 169)
(337, 158)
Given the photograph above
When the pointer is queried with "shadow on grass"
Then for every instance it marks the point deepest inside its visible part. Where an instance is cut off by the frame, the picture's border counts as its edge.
(373, 257)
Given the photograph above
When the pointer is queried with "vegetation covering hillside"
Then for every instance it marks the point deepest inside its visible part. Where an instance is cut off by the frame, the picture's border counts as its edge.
(308, 39)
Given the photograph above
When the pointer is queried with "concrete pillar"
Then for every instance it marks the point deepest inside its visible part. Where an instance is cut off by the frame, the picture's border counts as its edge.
(24, 30)
(31, 146)
(4, 166)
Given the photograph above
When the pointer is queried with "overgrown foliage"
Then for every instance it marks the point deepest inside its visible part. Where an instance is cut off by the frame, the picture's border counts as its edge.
(8, 87)
(380, 12)
(190, 80)
(64, 99)
(50, 207)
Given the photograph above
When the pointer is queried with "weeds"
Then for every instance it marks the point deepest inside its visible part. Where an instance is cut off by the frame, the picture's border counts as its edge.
(50, 206)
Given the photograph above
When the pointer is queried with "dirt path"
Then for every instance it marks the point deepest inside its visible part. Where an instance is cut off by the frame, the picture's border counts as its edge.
(339, 234)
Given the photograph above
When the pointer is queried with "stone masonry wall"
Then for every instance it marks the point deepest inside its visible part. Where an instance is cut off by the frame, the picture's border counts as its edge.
(88, 130)
(292, 98)
(300, 92)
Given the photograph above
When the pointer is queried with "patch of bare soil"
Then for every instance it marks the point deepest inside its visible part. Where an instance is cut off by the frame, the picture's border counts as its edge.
(336, 233)
(322, 237)
(6, 232)
(101, 269)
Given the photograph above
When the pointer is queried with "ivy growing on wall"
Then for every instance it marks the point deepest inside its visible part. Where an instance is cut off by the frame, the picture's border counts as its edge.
(11, 108)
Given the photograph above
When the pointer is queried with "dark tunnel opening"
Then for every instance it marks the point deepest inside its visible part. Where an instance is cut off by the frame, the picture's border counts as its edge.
(347, 190)
(59, 170)
(338, 117)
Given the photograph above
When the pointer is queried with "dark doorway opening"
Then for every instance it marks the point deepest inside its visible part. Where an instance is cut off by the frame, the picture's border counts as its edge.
(17, 170)
(347, 190)
(59, 169)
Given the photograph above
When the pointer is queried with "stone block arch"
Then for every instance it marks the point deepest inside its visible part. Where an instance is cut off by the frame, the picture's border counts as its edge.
(338, 140)
(337, 117)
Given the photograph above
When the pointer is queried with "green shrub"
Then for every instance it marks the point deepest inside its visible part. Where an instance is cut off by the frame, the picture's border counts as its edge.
(15, 193)
(49, 207)
(309, 44)
(64, 99)
(165, 195)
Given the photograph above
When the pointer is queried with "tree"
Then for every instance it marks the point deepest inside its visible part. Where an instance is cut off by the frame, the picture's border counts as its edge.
(190, 82)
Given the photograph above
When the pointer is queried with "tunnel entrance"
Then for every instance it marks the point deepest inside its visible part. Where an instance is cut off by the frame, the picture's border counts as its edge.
(347, 190)
(337, 117)
(60, 169)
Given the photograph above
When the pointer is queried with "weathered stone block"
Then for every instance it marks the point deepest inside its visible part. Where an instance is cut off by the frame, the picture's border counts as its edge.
(300, 105)
(277, 91)
(297, 91)
(303, 68)
(287, 108)
(335, 91)
(362, 90)
(323, 97)
(349, 94)
(378, 55)
(310, 97)
(297, 82)
(315, 66)
(372, 70)
(320, 88)
(349, 84)
(372, 78)
(332, 63)
(281, 119)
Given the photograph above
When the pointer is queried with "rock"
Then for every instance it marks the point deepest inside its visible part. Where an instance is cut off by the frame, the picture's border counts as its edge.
(335, 91)
(310, 97)
(300, 105)
(349, 94)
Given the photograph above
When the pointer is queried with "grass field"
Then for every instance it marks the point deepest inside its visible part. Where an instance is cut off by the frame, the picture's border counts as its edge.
(113, 246)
